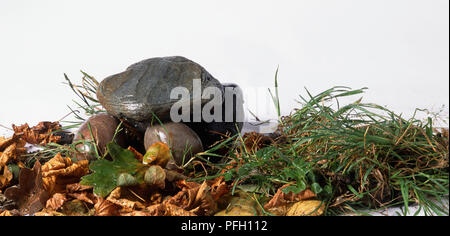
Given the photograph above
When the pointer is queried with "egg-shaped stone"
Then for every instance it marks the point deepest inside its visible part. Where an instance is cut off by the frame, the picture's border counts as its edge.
(183, 142)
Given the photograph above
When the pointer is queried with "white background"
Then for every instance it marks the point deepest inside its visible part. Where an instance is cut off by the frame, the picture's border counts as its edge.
(397, 48)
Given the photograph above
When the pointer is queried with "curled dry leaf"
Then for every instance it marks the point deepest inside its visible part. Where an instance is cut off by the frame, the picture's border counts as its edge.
(121, 197)
(84, 197)
(30, 196)
(59, 166)
(195, 198)
(59, 171)
(56, 201)
(104, 207)
(157, 154)
(281, 202)
(81, 192)
(219, 188)
(77, 187)
(281, 198)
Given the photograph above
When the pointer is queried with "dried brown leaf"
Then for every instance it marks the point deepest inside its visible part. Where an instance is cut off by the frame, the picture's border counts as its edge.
(84, 197)
(219, 188)
(30, 196)
(104, 207)
(195, 198)
(121, 197)
(59, 171)
(282, 199)
(77, 187)
(81, 192)
(56, 201)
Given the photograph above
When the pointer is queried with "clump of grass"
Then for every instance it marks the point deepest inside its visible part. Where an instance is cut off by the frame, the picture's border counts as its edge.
(359, 156)
(369, 154)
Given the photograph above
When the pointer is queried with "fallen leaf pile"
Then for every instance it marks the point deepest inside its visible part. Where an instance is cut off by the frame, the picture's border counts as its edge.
(13, 148)
(129, 184)
(61, 187)
(40, 134)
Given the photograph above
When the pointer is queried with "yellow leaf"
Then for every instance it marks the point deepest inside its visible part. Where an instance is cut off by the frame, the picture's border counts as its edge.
(157, 154)
(307, 208)
(240, 205)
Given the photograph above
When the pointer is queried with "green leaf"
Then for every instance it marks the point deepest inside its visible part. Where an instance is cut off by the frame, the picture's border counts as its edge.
(106, 173)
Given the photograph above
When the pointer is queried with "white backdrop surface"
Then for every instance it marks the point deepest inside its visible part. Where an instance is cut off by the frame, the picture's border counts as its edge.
(399, 49)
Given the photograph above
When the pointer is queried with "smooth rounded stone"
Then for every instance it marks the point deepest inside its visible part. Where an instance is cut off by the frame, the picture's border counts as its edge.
(211, 132)
(183, 141)
(144, 88)
(103, 127)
